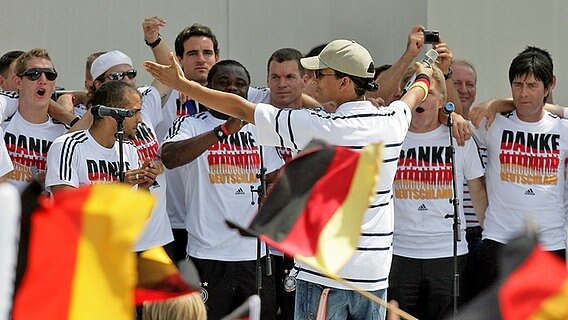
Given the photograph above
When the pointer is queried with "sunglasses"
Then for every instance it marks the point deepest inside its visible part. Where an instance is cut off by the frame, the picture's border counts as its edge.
(320, 74)
(117, 76)
(35, 73)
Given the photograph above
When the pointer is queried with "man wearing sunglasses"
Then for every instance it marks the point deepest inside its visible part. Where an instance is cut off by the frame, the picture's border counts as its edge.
(117, 66)
(30, 131)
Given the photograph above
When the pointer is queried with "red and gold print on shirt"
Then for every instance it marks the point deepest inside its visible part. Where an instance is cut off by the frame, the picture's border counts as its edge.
(424, 173)
(147, 146)
(235, 159)
(28, 155)
(529, 158)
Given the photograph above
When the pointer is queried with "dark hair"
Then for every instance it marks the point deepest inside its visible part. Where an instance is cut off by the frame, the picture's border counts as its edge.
(7, 59)
(225, 63)
(286, 54)
(315, 50)
(196, 30)
(362, 85)
(533, 61)
(114, 94)
(381, 69)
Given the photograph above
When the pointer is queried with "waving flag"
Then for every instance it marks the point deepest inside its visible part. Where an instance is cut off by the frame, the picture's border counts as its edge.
(315, 210)
(158, 277)
(78, 261)
(533, 284)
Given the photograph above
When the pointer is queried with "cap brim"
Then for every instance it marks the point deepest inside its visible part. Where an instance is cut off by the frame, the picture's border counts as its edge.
(313, 63)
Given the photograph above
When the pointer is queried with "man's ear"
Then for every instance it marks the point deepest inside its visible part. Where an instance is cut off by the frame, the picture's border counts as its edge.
(18, 82)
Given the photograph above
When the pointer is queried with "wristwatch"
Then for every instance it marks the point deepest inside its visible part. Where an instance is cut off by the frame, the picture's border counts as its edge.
(449, 74)
(155, 43)
(219, 133)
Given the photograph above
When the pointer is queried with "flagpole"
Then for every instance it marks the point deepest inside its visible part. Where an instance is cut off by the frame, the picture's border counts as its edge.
(366, 294)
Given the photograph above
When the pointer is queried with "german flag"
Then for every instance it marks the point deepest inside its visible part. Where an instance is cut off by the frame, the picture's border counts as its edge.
(533, 284)
(158, 278)
(77, 260)
(537, 289)
(315, 210)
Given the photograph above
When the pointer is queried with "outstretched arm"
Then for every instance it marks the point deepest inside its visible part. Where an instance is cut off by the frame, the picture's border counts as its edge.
(227, 103)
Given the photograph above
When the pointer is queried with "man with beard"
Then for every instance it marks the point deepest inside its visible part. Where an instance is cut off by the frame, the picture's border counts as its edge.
(92, 156)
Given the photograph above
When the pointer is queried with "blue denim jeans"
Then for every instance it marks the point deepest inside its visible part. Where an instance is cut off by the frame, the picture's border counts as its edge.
(341, 304)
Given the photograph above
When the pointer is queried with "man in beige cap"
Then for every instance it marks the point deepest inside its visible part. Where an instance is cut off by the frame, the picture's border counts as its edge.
(344, 71)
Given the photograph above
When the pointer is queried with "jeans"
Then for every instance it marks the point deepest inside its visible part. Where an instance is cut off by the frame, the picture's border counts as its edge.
(341, 304)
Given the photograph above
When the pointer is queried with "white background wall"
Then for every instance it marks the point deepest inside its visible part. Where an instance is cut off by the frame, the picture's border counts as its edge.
(488, 33)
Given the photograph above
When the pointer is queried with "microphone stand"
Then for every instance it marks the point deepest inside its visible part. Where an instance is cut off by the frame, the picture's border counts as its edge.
(120, 137)
(260, 190)
(456, 217)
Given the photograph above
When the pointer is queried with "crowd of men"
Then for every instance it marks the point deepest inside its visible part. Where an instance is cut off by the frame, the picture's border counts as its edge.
(199, 136)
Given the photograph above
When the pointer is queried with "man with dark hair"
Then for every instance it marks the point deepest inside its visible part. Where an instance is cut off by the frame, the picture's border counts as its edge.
(92, 156)
(7, 62)
(115, 66)
(197, 50)
(343, 69)
(219, 158)
(526, 152)
(286, 78)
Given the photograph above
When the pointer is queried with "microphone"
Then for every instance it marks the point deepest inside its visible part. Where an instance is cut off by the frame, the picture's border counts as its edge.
(448, 108)
(428, 61)
(117, 113)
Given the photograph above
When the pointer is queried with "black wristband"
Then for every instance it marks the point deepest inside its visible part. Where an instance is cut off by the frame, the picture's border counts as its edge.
(422, 76)
(219, 133)
(72, 123)
(155, 43)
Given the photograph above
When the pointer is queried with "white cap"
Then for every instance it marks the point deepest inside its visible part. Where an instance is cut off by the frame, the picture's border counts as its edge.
(107, 61)
(345, 56)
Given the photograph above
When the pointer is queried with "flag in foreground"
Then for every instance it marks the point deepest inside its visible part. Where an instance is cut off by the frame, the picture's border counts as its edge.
(315, 210)
(537, 289)
(533, 284)
(79, 262)
(158, 277)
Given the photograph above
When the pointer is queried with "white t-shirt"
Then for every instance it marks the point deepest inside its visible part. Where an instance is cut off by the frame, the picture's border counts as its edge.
(76, 159)
(525, 177)
(423, 187)
(174, 177)
(158, 231)
(218, 187)
(9, 101)
(355, 125)
(27, 144)
(170, 112)
(5, 162)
